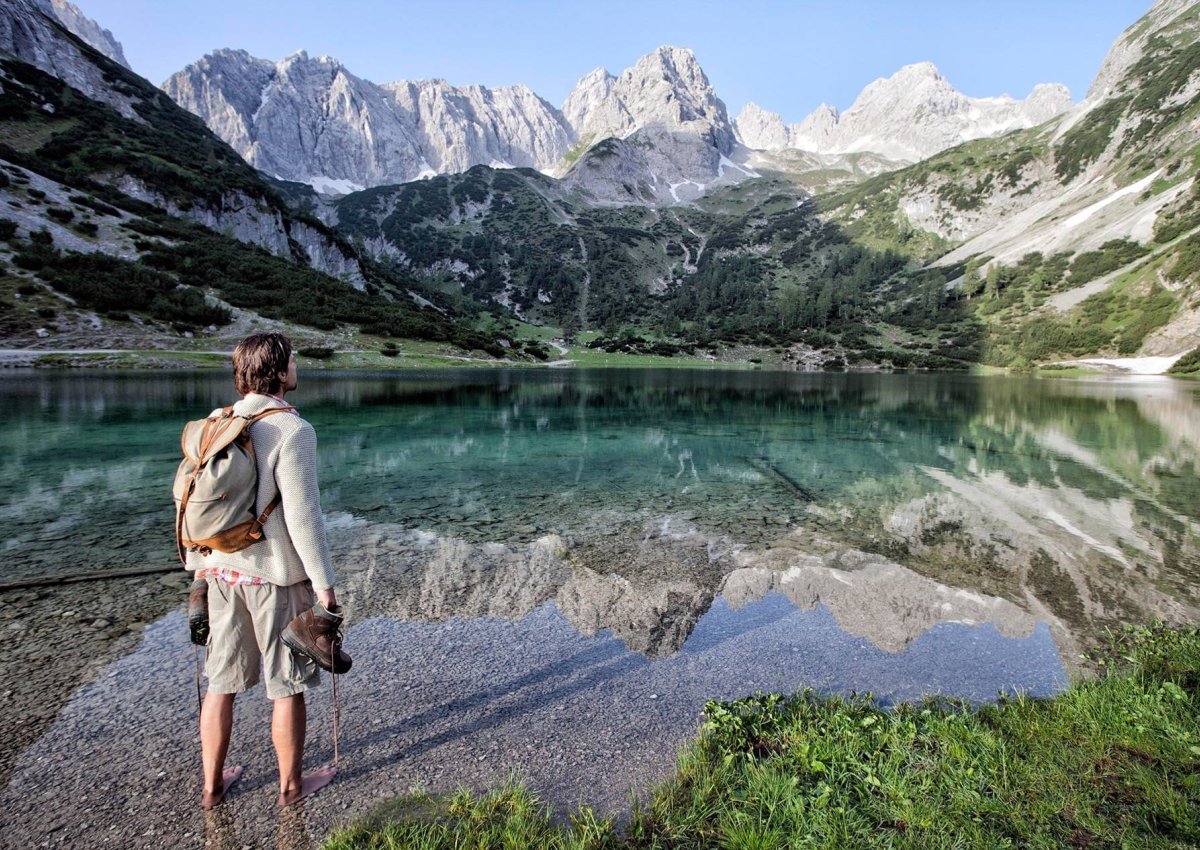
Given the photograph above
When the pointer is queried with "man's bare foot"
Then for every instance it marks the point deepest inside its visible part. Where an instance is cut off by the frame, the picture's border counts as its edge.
(309, 785)
(212, 799)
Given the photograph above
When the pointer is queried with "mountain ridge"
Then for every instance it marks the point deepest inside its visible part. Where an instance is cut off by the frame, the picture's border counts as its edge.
(941, 117)
(406, 130)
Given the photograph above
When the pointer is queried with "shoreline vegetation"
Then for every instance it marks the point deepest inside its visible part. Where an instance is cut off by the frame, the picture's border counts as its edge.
(424, 355)
(1112, 761)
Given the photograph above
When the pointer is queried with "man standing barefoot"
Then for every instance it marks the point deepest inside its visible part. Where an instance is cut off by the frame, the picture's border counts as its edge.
(253, 594)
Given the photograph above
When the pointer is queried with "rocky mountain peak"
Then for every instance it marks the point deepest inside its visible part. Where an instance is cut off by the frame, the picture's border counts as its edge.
(1047, 100)
(908, 116)
(666, 88)
(918, 71)
(311, 120)
(919, 81)
(226, 88)
(300, 65)
(86, 29)
(758, 128)
(598, 79)
(593, 89)
(677, 64)
(815, 132)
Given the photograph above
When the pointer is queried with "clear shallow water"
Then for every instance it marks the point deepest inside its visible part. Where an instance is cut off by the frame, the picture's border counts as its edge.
(1076, 501)
(553, 570)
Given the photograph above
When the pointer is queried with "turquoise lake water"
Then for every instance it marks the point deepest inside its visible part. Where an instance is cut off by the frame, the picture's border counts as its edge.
(897, 502)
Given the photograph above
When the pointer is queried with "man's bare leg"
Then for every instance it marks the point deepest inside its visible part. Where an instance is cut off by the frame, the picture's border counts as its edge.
(289, 717)
(216, 726)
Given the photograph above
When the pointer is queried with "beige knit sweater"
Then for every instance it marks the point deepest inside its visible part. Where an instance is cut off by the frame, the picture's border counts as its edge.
(294, 547)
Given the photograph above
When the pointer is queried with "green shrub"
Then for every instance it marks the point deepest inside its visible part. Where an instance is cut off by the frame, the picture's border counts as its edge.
(316, 353)
(1171, 225)
(1186, 364)
(104, 283)
(1087, 140)
(1111, 256)
(1153, 312)
(1187, 261)
(31, 261)
(94, 204)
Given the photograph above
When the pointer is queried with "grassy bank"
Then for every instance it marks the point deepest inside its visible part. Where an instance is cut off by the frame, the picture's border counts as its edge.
(1112, 762)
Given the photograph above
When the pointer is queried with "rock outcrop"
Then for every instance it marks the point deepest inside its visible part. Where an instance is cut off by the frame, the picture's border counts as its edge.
(88, 30)
(653, 165)
(31, 31)
(311, 120)
(667, 89)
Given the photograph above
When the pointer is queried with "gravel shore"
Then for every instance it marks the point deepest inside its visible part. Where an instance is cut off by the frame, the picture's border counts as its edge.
(468, 701)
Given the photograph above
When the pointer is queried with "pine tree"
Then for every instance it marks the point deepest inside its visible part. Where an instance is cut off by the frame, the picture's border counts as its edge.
(991, 287)
(971, 280)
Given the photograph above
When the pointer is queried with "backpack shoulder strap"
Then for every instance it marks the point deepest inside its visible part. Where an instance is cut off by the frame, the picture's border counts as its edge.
(263, 413)
(256, 529)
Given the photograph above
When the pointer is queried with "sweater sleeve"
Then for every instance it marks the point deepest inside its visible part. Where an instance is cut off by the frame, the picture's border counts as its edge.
(296, 477)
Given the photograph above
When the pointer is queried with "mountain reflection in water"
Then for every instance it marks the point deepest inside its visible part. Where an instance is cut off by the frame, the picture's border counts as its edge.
(633, 500)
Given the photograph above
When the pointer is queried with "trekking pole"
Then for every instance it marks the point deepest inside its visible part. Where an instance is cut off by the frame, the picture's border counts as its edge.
(337, 708)
(196, 662)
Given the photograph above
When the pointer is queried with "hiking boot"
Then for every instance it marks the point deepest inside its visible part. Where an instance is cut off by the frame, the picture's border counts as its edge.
(197, 611)
(317, 634)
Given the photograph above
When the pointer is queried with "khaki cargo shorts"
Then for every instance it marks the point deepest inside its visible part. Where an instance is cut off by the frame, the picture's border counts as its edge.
(246, 621)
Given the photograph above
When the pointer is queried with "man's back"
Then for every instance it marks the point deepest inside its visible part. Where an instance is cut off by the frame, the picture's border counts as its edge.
(293, 548)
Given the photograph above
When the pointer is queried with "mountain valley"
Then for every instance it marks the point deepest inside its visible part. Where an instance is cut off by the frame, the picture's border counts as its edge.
(638, 218)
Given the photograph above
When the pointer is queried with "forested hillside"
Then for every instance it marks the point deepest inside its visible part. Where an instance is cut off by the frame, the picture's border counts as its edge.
(750, 264)
(132, 222)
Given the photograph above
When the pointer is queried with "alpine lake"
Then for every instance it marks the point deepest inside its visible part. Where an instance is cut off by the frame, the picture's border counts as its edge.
(548, 572)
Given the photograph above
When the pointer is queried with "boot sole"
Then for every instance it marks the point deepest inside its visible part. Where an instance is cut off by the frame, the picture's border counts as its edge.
(294, 643)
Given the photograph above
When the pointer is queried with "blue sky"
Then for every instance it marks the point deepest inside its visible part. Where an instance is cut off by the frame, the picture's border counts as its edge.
(786, 56)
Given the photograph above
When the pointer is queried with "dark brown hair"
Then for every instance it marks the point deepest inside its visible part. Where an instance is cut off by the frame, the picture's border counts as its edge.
(258, 361)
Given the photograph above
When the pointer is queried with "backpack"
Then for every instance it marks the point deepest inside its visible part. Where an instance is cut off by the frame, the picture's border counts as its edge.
(216, 485)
